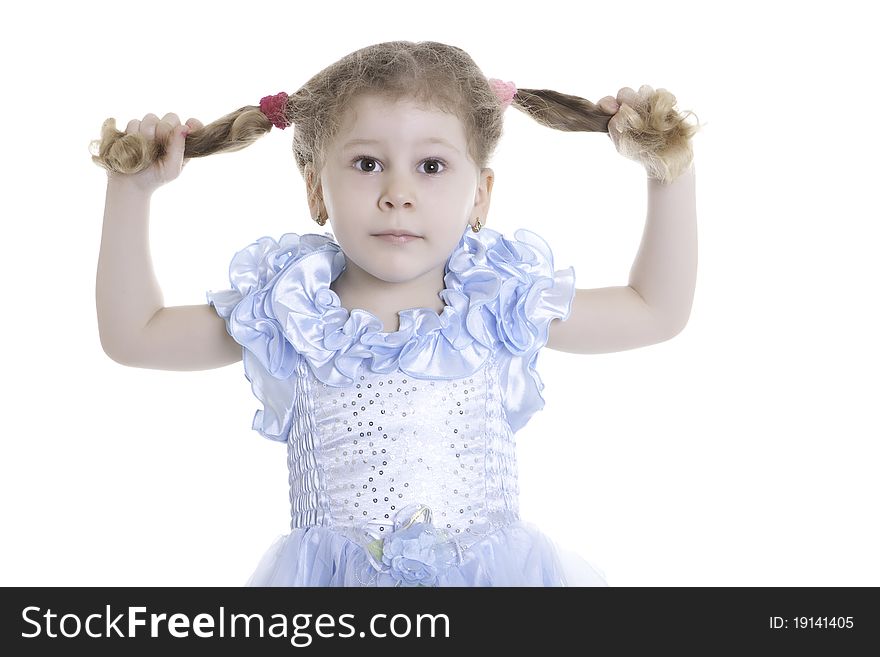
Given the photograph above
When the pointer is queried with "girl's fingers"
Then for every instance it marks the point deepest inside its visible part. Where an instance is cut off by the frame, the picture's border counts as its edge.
(635, 98)
(627, 95)
(148, 126)
(167, 126)
(608, 104)
(192, 124)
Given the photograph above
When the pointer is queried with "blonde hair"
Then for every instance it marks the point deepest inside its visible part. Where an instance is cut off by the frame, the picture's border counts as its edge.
(434, 74)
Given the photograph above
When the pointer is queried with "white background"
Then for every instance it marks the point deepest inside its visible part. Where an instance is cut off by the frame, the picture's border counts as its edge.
(742, 452)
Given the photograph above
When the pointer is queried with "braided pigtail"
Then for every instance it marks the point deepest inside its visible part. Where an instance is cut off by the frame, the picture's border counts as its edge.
(650, 131)
(130, 153)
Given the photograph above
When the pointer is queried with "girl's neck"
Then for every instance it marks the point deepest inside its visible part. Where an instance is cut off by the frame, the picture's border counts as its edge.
(358, 289)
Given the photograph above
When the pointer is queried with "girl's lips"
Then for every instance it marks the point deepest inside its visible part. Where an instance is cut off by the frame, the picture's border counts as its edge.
(398, 239)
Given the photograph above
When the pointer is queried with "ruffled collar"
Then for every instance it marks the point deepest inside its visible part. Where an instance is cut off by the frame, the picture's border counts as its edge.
(282, 306)
(500, 296)
(336, 342)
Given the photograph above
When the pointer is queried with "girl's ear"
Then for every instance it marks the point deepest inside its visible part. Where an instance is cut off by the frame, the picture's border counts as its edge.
(314, 192)
(484, 194)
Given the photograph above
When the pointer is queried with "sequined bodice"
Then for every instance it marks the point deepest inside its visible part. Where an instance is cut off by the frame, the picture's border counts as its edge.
(358, 454)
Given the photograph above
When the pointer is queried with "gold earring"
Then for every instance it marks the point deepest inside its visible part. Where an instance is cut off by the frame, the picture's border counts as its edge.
(476, 227)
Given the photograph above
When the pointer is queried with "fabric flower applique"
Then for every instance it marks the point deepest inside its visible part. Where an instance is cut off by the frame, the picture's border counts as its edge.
(415, 552)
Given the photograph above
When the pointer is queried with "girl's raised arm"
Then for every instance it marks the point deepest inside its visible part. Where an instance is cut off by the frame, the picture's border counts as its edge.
(135, 329)
(656, 305)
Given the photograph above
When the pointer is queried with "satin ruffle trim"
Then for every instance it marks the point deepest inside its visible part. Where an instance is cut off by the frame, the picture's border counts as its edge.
(500, 296)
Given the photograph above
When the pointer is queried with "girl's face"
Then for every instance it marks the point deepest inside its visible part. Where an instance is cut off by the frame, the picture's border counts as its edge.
(413, 175)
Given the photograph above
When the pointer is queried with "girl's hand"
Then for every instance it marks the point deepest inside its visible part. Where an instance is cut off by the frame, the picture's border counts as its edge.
(644, 127)
(169, 136)
(612, 105)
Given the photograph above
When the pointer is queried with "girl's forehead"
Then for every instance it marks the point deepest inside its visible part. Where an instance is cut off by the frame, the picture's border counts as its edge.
(376, 108)
(370, 117)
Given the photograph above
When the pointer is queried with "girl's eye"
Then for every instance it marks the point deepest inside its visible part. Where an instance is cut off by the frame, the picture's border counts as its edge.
(431, 162)
(434, 163)
(371, 163)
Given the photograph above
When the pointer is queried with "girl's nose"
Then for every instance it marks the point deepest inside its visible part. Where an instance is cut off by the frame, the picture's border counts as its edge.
(398, 193)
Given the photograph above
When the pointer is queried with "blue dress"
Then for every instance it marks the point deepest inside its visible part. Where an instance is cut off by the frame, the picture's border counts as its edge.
(400, 445)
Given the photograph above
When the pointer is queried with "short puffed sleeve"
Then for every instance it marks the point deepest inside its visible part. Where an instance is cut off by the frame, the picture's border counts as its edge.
(269, 359)
(532, 294)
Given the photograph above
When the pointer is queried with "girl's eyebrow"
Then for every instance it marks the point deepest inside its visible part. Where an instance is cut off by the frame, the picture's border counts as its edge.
(429, 140)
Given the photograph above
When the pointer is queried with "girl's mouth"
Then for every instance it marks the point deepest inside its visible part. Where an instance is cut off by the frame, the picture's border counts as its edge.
(398, 239)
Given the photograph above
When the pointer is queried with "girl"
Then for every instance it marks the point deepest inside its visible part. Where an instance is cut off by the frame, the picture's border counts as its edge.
(396, 356)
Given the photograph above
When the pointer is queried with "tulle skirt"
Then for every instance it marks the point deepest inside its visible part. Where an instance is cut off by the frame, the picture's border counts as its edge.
(518, 554)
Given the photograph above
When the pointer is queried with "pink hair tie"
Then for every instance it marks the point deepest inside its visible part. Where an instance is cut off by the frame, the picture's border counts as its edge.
(273, 107)
(504, 90)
